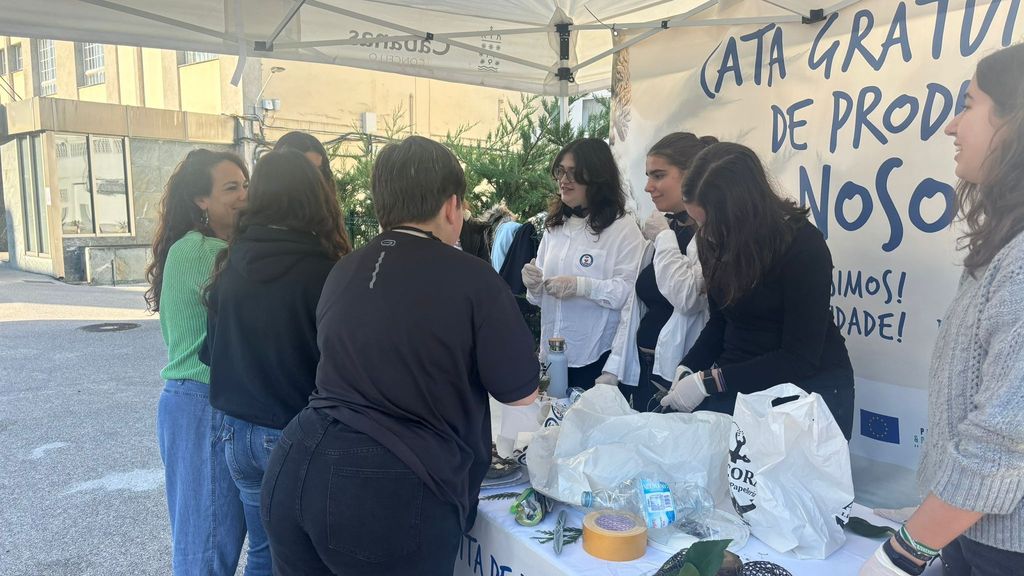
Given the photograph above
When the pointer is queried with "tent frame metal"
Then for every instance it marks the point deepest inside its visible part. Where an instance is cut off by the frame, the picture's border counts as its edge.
(564, 71)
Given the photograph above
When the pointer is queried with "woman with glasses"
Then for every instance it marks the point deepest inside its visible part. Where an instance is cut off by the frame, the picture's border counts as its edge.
(586, 265)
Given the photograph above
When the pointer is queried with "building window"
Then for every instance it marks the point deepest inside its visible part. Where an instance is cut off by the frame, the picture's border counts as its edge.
(47, 64)
(3, 62)
(30, 160)
(93, 182)
(90, 63)
(16, 63)
(186, 58)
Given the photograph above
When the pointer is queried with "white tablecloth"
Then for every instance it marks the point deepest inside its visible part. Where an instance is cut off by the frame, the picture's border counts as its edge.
(497, 546)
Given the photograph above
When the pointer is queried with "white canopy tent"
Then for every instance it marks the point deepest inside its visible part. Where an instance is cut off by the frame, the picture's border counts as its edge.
(550, 47)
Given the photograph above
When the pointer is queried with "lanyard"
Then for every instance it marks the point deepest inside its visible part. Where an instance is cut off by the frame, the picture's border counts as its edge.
(417, 232)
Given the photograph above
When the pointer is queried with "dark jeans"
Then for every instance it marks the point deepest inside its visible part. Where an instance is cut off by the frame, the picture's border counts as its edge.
(966, 557)
(335, 501)
(584, 376)
(835, 388)
(641, 396)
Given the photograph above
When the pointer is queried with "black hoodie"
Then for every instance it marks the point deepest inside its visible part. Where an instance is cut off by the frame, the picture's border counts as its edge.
(261, 330)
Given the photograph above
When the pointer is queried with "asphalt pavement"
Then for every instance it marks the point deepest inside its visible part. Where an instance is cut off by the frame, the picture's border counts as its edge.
(81, 482)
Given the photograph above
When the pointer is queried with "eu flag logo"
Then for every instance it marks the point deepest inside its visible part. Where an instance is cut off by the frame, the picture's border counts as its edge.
(880, 427)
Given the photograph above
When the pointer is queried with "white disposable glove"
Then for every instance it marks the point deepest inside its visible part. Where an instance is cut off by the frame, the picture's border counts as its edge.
(655, 224)
(608, 379)
(563, 287)
(687, 391)
(533, 277)
(880, 565)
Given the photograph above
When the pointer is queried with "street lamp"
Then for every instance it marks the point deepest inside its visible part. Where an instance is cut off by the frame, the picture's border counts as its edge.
(273, 70)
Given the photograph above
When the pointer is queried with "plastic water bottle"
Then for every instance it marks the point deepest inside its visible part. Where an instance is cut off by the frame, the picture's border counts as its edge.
(658, 504)
(558, 368)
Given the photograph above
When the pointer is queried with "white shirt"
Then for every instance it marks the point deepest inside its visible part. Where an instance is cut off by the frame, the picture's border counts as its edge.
(681, 280)
(610, 261)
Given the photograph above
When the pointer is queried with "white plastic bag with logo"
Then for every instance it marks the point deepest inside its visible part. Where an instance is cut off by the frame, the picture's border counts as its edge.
(602, 442)
(789, 471)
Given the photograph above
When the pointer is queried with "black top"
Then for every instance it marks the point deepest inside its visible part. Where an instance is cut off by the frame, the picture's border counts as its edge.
(523, 248)
(414, 334)
(473, 239)
(261, 331)
(659, 309)
(781, 331)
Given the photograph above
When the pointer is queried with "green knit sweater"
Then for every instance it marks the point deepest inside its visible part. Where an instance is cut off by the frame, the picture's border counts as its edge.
(182, 313)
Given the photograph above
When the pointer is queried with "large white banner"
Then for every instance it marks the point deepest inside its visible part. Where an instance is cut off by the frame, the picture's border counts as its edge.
(848, 115)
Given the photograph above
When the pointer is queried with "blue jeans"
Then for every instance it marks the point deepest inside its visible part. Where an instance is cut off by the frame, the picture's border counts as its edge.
(207, 522)
(247, 449)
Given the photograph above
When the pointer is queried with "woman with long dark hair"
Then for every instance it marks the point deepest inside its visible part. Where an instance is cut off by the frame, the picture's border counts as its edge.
(586, 264)
(668, 308)
(972, 466)
(197, 217)
(768, 276)
(261, 333)
(314, 151)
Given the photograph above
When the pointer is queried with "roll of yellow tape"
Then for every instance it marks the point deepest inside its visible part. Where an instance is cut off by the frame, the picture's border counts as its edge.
(614, 536)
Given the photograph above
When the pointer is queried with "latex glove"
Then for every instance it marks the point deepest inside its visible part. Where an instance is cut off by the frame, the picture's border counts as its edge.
(608, 379)
(880, 565)
(533, 277)
(655, 224)
(687, 391)
(563, 287)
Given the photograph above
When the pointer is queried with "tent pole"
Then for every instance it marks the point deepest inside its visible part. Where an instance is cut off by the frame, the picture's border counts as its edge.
(564, 72)
(563, 102)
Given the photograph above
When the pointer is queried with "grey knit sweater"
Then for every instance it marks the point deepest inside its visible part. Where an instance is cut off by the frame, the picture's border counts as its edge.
(974, 450)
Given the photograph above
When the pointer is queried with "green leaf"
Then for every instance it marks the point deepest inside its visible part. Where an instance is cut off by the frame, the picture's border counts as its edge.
(707, 556)
(862, 527)
(501, 496)
(688, 570)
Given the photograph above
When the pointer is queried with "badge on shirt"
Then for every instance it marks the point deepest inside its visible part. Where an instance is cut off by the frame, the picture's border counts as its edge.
(586, 260)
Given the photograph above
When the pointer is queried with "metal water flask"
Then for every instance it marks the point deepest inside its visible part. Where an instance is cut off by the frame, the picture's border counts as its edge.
(558, 368)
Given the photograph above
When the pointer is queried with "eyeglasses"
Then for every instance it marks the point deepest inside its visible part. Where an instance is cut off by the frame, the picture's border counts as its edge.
(558, 173)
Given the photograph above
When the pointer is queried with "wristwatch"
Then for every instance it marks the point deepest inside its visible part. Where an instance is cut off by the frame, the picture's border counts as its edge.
(901, 561)
(707, 379)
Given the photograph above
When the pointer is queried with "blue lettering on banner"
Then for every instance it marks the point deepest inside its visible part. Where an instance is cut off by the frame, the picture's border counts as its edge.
(895, 117)
(788, 125)
(472, 553)
(968, 45)
(855, 283)
(888, 326)
(725, 66)
(879, 427)
(818, 203)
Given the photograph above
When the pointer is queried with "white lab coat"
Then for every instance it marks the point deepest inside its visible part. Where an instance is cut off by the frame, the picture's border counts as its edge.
(681, 280)
(610, 261)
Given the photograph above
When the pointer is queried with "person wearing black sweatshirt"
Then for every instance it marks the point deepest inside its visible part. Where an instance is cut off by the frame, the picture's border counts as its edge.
(261, 332)
(768, 277)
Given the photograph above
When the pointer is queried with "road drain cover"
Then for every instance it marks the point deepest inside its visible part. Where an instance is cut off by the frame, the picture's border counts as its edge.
(109, 327)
